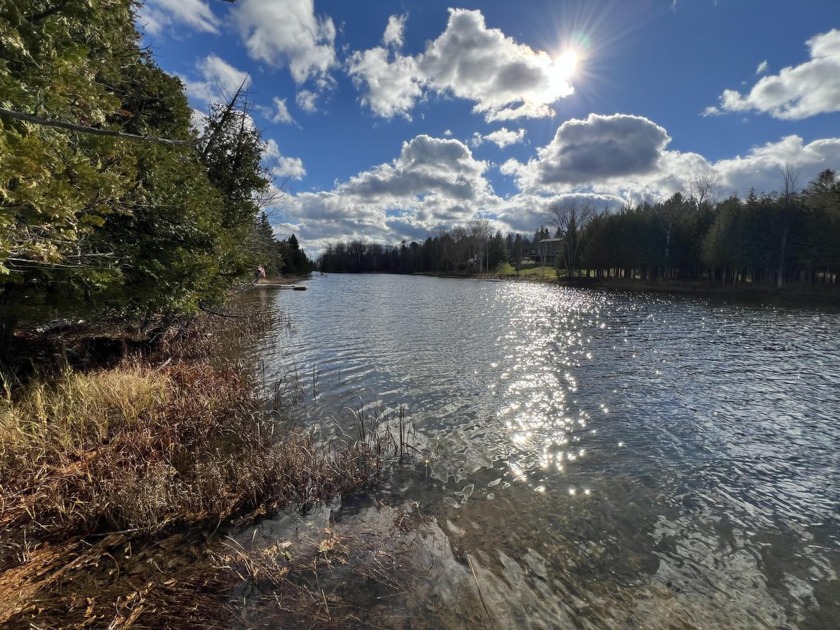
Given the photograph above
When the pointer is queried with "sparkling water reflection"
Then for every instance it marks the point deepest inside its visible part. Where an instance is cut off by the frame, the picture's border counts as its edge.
(607, 459)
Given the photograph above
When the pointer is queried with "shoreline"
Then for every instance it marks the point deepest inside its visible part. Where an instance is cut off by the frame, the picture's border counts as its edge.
(794, 294)
(119, 483)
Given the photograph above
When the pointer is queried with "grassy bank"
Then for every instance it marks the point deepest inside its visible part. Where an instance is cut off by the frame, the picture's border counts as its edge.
(104, 473)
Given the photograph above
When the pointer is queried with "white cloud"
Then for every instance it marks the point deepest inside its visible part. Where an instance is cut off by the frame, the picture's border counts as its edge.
(501, 137)
(483, 65)
(394, 31)
(426, 166)
(596, 149)
(157, 15)
(437, 182)
(506, 80)
(280, 113)
(762, 167)
(390, 86)
(523, 213)
(797, 92)
(289, 168)
(762, 67)
(434, 182)
(218, 80)
(279, 165)
(626, 157)
(307, 100)
(287, 32)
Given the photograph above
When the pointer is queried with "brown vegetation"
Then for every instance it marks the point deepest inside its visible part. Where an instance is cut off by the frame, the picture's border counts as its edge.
(103, 474)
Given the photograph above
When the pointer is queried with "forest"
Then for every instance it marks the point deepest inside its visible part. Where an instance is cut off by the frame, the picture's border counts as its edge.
(774, 239)
(113, 205)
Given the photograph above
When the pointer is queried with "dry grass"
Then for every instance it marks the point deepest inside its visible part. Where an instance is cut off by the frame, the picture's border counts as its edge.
(92, 462)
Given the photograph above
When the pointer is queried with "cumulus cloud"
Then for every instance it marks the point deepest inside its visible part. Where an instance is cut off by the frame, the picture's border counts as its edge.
(501, 137)
(218, 79)
(524, 212)
(280, 113)
(394, 31)
(595, 149)
(288, 168)
(485, 66)
(437, 182)
(426, 166)
(761, 168)
(797, 92)
(279, 165)
(390, 82)
(307, 100)
(612, 157)
(287, 33)
(762, 67)
(626, 157)
(198, 121)
(506, 80)
(156, 16)
(432, 183)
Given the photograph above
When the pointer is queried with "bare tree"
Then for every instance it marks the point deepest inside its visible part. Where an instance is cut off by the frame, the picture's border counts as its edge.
(704, 187)
(481, 231)
(790, 180)
(668, 214)
(570, 216)
(458, 234)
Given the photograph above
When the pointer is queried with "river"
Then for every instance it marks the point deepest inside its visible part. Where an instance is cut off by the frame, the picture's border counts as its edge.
(605, 459)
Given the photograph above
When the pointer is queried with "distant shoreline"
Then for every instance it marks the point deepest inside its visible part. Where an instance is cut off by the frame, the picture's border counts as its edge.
(793, 293)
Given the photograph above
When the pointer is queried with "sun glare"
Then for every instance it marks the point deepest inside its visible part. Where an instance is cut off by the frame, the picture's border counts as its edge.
(566, 64)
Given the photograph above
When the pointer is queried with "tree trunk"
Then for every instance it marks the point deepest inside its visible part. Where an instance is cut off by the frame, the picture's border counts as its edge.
(8, 324)
(780, 278)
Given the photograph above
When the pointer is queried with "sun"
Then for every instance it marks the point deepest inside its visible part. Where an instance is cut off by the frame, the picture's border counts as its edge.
(566, 64)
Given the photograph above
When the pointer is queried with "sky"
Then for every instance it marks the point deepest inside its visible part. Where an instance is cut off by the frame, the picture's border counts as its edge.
(387, 121)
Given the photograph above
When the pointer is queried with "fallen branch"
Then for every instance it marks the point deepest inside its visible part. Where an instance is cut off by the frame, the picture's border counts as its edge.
(217, 314)
(49, 122)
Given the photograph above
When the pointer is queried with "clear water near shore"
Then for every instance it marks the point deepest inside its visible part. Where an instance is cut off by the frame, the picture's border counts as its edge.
(604, 459)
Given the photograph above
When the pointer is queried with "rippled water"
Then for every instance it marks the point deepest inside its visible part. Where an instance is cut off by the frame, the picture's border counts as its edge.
(608, 460)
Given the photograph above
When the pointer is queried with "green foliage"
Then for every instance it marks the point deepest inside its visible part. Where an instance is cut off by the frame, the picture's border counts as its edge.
(231, 151)
(265, 250)
(57, 189)
(769, 238)
(105, 226)
(295, 261)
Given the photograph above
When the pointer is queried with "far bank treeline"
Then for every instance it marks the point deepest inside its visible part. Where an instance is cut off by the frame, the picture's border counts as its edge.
(111, 205)
(792, 236)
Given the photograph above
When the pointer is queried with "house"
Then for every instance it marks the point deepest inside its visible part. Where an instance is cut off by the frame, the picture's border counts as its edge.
(546, 250)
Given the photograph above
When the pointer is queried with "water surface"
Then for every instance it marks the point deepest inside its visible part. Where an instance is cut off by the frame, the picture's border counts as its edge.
(605, 459)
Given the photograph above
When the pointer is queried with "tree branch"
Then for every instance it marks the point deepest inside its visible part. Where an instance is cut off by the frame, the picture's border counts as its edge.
(227, 112)
(43, 15)
(48, 122)
(216, 313)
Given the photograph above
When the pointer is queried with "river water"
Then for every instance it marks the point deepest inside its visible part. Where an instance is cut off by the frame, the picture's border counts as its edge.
(604, 459)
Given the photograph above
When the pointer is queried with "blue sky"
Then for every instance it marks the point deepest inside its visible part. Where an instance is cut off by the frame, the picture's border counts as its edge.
(387, 121)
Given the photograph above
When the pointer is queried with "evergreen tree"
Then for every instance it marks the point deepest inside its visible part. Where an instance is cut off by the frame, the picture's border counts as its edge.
(125, 213)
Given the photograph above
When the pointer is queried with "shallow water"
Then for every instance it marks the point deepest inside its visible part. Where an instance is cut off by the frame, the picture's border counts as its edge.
(605, 459)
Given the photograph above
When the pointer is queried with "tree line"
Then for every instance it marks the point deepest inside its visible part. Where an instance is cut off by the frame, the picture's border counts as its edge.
(790, 236)
(111, 204)
(770, 238)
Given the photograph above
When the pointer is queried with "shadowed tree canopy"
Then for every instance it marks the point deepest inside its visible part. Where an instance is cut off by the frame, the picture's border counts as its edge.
(97, 217)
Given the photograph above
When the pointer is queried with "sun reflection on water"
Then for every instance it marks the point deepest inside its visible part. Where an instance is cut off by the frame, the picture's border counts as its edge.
(544, 348)
(633, 442)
